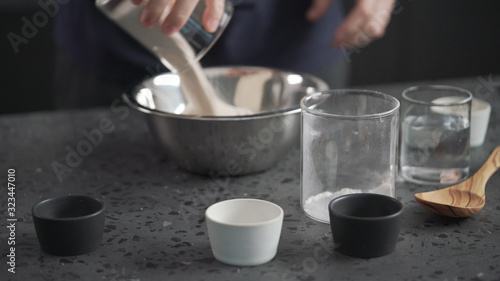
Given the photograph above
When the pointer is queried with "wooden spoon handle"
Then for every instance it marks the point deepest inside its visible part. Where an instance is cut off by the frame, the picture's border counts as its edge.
(491, 165)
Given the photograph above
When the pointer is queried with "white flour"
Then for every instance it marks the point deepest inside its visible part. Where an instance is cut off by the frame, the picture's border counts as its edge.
(250, 89)
(175, 53)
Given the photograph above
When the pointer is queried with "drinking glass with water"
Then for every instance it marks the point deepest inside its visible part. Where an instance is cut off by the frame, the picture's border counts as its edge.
(435, 134)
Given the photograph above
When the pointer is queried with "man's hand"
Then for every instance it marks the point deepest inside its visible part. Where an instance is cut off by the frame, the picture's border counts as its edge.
(366, 21)
(173, 14)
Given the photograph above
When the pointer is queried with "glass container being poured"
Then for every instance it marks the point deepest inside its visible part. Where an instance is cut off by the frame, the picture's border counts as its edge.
(179, 52)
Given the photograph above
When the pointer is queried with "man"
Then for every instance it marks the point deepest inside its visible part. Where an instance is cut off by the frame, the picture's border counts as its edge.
(98, 60)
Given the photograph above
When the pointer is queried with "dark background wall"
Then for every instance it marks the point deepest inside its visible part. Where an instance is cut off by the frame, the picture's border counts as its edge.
(429, 39)
(425, 40)
(25, 76)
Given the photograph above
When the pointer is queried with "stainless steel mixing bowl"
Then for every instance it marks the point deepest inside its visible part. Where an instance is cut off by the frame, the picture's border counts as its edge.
(227, 145)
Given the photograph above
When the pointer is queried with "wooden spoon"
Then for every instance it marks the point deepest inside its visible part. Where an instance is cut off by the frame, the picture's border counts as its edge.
(464, 199)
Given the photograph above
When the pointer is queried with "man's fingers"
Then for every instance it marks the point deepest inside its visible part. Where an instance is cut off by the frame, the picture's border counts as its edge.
(178, 16)
(367, 21)
(378, 22)
(318, 9)
(213, 14)
(153, 11)
(137, 2)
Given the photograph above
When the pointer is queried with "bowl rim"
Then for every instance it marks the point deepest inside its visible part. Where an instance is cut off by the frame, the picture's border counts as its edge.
(127, 96)
(355, 197)
(48, 203)
(213, 218)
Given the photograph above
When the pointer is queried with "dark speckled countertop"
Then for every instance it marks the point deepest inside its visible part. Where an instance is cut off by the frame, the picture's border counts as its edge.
(155, 227)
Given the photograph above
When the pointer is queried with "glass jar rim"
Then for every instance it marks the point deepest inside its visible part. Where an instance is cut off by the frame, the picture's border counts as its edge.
(467, 98)
(340, 92)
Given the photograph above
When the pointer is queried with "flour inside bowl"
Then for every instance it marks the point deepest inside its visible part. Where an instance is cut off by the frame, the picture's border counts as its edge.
(176, 54)
(201, 97)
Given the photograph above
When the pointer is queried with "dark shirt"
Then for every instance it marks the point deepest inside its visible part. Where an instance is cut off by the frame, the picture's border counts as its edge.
(270, 33)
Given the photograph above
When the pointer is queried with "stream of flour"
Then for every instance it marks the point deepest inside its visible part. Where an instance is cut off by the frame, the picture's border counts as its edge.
(176, 54)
